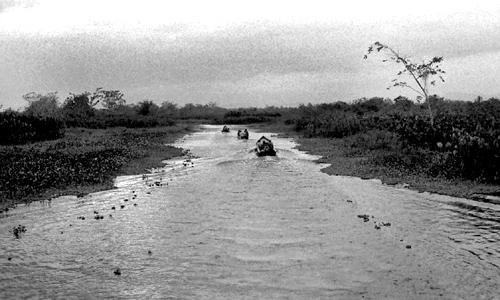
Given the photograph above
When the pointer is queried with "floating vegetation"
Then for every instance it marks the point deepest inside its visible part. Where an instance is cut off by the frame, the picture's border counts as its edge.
(365, 218)
(83, 157)
(18, 231)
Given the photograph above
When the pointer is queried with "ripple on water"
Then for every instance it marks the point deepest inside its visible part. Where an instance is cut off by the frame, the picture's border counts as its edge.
(230, 225)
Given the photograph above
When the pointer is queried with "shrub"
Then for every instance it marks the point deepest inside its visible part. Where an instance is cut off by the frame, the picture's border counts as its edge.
(16, 128)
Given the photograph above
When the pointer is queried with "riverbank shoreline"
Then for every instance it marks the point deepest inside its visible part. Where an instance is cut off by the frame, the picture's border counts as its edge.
(145, 148)
(334, 152)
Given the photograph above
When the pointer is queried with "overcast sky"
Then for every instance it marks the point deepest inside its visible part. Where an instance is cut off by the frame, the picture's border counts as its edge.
(236, 53)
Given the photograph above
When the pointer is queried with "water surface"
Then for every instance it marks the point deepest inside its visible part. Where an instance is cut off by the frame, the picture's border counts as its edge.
(230, 225)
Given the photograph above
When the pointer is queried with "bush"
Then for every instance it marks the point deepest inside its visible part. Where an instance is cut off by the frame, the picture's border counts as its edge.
(104, 119)
(16, 128)
(463, 142)
(330, 125)
(375, 140)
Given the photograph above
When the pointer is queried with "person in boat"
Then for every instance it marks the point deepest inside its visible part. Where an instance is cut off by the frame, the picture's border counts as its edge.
(243, 134)
(265, 147)
(225, 129)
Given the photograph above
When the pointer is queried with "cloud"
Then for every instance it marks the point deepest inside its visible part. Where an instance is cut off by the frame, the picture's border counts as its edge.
(232, 55)
(5, 4)
(262, 63)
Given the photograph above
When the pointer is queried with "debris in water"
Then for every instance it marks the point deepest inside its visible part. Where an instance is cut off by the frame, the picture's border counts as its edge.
(408, 246)
(113, 207)
(150, 252)
(122, 206)
(365, 218)
(17, 231)
(118, 272)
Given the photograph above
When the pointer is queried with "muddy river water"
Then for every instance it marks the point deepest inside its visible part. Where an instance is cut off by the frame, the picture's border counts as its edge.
(230, 225)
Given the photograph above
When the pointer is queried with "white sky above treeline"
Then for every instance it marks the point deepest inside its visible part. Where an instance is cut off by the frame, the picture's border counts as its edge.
(241, 53)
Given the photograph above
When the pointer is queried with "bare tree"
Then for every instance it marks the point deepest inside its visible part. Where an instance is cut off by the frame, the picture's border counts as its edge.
(421, 74)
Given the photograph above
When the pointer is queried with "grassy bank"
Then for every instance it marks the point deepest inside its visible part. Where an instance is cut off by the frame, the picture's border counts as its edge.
(84, 160)
(350, 156)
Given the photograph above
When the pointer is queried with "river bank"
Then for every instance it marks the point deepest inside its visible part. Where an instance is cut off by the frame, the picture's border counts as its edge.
(83, 161)
(346, 158)
(333, 152)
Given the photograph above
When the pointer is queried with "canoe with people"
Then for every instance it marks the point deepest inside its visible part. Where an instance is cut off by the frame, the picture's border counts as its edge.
(243, 134)
(264, 147)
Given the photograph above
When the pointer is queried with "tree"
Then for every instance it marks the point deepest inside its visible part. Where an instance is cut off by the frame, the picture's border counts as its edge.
(80, 106)
(42, 105)
(403, 103)
(111, 99)
(421, 74)
(146, 107)
(168, 108)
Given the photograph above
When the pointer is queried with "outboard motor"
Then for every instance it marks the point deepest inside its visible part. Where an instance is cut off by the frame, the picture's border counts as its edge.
(225, 129)
(243, 134)
(265, 147)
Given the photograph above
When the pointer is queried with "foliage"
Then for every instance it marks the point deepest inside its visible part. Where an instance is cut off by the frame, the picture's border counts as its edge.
(120, 118)
(26, 171)
(464, 141)
(42, 105)
(147, 107)
(79, 107)
(82, 157)
(248, 116)
(421, 74)
(109, 99)
(16, 128)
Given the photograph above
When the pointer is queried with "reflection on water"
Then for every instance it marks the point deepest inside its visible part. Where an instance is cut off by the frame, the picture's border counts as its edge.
(227, 224)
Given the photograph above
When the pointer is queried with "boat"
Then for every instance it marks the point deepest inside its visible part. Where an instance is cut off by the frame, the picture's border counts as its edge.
(265, 147)
(243, 134)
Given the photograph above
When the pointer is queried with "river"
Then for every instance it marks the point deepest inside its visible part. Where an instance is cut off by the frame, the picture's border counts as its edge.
(225, 224)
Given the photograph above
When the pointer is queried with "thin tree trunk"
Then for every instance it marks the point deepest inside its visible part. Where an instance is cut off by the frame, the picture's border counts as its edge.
(430, 110)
